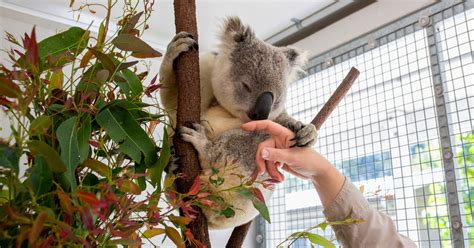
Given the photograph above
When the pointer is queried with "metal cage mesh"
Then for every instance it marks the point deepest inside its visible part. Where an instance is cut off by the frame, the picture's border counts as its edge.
(388, 134)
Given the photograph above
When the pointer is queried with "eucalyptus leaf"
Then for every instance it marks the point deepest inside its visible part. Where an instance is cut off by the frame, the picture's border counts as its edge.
(9, 158)
(125, 131)
(41, 176)
(156, 171)
(54, 49)
(140, 49)
(105, 59)
(131, 23)
(9, 88)
(258, 204)
(53, 159)
(132, 87)
(40, 125)
(68, 141)
(319, 240)
(83, 135)
(228, 212)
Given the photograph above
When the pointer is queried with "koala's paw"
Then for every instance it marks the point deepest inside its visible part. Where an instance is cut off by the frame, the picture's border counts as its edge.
(305, 135)
(174, 164)
(181, 42)
(196, 136)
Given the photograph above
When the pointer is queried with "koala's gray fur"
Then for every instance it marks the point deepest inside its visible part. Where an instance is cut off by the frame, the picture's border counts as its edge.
(243, 70)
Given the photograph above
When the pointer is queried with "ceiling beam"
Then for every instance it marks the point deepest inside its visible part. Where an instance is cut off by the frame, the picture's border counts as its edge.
(317, 21)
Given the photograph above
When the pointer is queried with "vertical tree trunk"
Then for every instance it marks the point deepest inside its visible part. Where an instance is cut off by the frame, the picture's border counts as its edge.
(189, 109)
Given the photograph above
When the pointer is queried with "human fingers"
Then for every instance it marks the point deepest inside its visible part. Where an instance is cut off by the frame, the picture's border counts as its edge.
(259, 159)
(273, 172)
(280, 155)
(268, 126)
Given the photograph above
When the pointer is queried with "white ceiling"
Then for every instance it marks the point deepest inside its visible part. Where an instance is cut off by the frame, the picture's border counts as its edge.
(265, 16)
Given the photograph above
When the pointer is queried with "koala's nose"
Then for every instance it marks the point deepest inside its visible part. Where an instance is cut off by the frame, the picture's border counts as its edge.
(262, 107)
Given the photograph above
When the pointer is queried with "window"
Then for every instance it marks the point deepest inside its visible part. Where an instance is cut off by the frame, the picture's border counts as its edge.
(387, 134)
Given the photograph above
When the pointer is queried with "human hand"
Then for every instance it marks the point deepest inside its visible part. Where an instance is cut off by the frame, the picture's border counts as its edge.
(275, 151)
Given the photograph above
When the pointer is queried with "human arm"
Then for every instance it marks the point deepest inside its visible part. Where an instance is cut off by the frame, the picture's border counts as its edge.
(340, 198)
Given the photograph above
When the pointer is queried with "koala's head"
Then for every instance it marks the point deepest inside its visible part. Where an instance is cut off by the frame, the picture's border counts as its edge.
(250, 76)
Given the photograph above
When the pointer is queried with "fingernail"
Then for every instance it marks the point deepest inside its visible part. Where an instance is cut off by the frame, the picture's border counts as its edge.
(265, 154)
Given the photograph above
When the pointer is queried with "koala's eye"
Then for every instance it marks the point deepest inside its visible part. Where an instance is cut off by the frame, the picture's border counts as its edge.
(246, 87)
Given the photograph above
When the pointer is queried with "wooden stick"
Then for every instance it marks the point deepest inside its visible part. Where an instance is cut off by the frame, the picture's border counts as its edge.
(238, 235)
(188, 111)
(336, 97)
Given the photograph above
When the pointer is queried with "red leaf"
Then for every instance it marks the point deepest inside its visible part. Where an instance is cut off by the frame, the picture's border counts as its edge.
(8, 88)
(195, 187)
(86, 218)
(31, 47)
(258, 194)
(206, 202)
(203, 194)
(37, 228)
(90, 198)
(65, 202)
(152, 88)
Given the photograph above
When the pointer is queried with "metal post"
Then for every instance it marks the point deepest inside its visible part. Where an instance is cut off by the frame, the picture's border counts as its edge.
(444, 135)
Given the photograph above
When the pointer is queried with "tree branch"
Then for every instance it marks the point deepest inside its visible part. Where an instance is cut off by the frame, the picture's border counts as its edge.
(188, 110)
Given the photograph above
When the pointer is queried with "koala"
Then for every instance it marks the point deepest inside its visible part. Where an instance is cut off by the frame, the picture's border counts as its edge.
(245, 79)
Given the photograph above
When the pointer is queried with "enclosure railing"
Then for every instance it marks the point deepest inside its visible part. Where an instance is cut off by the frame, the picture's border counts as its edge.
(404, 134)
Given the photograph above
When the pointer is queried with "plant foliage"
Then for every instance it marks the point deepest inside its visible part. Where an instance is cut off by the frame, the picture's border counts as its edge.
(82, 124)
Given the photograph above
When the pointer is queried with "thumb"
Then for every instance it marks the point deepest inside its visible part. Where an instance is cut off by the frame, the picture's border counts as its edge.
(280, 155)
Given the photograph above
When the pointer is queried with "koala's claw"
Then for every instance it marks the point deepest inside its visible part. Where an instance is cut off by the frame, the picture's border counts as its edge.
(197, 136)
(181, 35)
(182, 42)
(305, 136)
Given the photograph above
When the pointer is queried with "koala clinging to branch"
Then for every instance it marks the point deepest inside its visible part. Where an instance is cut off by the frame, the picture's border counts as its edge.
(246, 79)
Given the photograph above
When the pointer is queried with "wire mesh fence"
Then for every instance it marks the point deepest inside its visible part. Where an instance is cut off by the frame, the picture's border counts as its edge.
(404, 134)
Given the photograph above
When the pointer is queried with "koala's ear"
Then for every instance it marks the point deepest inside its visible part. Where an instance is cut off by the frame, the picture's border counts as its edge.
(235, 31)
(296, 57)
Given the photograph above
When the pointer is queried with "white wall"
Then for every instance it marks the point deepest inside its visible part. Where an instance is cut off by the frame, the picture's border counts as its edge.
(363, 21)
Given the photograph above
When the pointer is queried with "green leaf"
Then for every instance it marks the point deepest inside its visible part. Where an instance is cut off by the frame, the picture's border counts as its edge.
(257, 203)
(125, 131)
(73, 40)
(131, 23)
(41, 176)
(100, 35)
(132, 87)
(97, 166)
(216, 182)
(67, 137)
(173, 234)
(40, 125)
(106, 61)
(150, 233)
(140, 49)
(50, 155)
(262, 209)
(156, 171)
(124, 242)
(228, 212)
(9, 158)
(319, 240)
(141, 168)
(83, 135)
